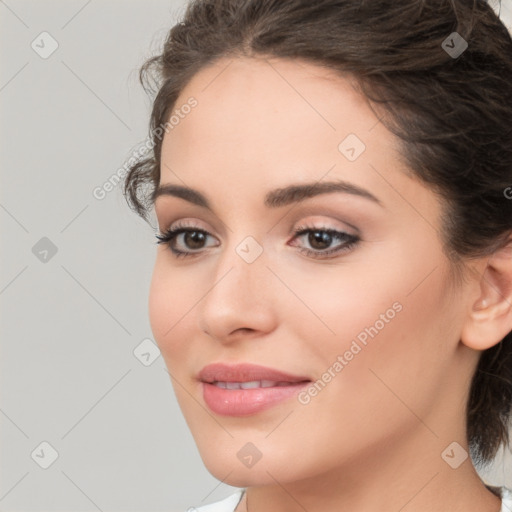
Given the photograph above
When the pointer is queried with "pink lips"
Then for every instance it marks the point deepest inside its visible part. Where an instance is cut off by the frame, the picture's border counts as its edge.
(244, 389)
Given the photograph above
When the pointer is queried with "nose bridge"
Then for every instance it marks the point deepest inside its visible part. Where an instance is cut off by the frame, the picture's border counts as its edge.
(238, 295)
(241, 267)
(243, 244)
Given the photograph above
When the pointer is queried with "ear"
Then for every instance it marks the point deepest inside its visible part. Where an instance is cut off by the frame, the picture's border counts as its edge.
(489, 318)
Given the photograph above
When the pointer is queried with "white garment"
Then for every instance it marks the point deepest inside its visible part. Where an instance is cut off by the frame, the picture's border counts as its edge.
(507, 500)
(229, 504)
(226, 505)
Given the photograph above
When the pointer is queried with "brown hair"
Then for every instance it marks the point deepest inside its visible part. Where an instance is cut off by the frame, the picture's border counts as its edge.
(452, 114)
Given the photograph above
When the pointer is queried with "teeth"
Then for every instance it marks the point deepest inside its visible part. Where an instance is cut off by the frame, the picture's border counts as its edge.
(250, 385)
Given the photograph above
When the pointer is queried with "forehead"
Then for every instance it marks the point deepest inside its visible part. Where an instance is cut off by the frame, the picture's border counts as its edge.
(252, 91)
(264, 110)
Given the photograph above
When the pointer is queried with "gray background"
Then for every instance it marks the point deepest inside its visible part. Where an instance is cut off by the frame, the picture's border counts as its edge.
(70, 321)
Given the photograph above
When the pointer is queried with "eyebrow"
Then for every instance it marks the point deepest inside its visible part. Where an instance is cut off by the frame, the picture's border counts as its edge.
(275, 198)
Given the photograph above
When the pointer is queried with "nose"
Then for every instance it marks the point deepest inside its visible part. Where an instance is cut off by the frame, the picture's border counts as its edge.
(239, 298)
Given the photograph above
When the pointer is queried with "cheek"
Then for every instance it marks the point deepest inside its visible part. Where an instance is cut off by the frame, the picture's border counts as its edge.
(171, 297)
(392, 330)
(161, 304)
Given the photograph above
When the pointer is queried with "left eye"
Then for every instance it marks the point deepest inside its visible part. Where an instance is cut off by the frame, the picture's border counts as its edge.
(320, 239)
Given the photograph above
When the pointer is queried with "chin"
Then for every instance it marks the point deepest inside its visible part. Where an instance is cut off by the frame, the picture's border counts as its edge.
(237, 476)
(230, 463)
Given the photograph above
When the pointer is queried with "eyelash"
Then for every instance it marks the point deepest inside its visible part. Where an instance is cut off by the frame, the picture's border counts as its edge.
(351, 240)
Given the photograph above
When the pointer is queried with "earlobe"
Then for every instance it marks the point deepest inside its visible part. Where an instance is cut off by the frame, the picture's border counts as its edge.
(489, 319)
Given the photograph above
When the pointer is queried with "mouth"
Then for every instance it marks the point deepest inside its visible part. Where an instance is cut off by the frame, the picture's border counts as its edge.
(245, 389)
(253, 384)
(245, 373)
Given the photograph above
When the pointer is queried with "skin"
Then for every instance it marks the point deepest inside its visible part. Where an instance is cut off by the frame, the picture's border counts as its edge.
(372, 439)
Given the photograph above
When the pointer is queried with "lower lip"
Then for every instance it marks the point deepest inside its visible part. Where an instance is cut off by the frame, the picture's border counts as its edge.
(242, 402)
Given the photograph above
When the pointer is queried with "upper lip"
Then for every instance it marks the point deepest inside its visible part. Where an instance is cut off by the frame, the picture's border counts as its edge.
(245, 372)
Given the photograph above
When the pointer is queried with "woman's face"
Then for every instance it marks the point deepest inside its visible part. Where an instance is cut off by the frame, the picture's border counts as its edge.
(368, 312)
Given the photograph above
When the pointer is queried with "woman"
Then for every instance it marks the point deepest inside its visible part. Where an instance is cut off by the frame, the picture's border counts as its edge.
(333, 283)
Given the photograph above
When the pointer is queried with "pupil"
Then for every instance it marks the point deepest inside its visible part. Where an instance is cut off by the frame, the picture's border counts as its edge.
(194, 239)
(319, 236)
